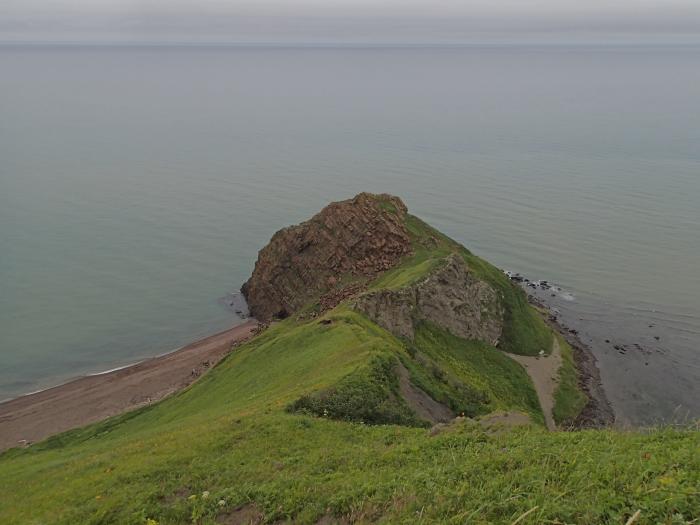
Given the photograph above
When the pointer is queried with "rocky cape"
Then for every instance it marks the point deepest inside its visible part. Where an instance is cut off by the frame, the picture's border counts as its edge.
(333, 256)
(356, 238)
(344, 253)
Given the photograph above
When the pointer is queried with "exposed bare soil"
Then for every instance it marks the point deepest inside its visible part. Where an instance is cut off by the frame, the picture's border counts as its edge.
(544, 373)
(420, 402)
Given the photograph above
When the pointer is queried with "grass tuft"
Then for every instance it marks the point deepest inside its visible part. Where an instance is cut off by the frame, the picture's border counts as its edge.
(569, 401)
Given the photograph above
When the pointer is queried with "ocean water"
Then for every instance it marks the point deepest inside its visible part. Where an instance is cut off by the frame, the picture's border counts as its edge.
(137, 184)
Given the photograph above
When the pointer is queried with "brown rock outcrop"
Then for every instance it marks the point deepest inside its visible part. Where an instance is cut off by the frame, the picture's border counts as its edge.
(450, 297)
(358, 237)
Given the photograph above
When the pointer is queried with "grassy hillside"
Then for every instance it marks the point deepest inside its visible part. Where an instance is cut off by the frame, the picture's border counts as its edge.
(306, 423)
(524, 331)
(568, 399)
(504, 382)
(231, 436)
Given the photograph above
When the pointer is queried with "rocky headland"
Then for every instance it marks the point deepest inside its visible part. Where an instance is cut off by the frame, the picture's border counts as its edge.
(384, 386)
(371, 255)
(357, 238)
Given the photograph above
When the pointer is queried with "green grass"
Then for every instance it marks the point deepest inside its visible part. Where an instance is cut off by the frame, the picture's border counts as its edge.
(282, 425)
(483, 368)
(524, 331)
(302, 468)
(368, 395)
(387, 205)
(410, 271)
(568, 398)
(229, 434)
(467, 376)
(426, 256)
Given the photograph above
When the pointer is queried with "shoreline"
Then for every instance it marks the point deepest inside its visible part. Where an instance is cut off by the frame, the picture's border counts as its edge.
(95, 374)
(90, 398)
(93, 397)
(598, 412)
(88, 374)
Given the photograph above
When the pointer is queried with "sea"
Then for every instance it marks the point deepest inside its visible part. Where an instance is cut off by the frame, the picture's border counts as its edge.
(137, 184)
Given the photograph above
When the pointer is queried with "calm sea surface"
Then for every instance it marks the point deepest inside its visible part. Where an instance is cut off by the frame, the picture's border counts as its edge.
(137, 184)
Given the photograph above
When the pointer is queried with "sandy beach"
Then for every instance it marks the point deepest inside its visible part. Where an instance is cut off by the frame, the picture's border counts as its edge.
(89, 399)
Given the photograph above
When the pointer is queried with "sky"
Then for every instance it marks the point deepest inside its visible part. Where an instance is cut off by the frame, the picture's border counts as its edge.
(349, 21)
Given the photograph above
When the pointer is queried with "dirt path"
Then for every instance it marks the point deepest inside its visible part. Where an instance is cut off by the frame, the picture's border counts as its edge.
(544, 372)
(88, 399)
(419, 401)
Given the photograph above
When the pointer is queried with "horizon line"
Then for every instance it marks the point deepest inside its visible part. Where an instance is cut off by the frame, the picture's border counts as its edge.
(343, 44)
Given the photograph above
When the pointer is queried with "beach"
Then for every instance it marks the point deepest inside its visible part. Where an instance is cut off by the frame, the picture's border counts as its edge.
(92, 398)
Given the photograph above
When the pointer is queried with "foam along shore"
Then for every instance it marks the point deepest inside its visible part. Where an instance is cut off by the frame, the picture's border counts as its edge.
(92, 398)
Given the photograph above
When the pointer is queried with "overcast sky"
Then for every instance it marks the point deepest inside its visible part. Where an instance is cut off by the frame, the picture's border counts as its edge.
(352, 21)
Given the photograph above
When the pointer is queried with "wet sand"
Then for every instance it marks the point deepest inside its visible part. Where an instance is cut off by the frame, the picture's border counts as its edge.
(89, 399)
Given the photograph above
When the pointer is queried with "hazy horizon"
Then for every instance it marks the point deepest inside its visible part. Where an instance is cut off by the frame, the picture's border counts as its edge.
(349, 22)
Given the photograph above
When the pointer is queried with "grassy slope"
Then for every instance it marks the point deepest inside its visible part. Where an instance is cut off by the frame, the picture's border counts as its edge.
(483, 367)
(229, 434)
(524, 330)
(467, 376)
(568, 399)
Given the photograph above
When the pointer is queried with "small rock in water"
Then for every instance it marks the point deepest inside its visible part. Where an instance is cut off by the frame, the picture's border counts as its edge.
(620, 349)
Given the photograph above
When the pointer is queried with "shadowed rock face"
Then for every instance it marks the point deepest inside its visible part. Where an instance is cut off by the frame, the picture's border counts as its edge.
(450, 297)
(358, 237)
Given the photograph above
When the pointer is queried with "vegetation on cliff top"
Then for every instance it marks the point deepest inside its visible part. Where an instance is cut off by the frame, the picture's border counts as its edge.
(306, 424)
(524, 331)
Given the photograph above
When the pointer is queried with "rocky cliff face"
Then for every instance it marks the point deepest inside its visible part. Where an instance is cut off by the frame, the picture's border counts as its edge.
(358, 237)
(449, 297)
